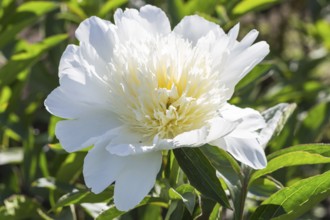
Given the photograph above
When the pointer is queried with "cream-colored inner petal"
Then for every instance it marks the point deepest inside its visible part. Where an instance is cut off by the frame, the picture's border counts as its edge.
(163, 86)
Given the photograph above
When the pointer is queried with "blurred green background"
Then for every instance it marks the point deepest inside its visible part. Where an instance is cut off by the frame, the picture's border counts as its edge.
(34, 170)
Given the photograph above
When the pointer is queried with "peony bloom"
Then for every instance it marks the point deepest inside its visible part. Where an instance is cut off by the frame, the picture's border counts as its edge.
(134, 88)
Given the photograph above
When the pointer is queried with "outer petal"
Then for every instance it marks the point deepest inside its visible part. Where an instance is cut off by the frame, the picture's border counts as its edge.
(243, 142)
(99, 33)
(249, 120)
(246, 150)
(80, 133)
(138, 178)
(101, 168)
(195, 27)
(149, 21)
(83, 88)
(239, 63)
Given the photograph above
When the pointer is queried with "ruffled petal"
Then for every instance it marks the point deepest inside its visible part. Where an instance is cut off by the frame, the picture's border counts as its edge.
(99, 33)
(138, 178)
(80, 133)
(101, 168)
(149, 21)
(246, 150)
(83, 88)
(195, 27)
(240, 62)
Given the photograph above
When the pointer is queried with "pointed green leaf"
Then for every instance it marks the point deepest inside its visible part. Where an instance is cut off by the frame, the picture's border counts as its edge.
(290, 159)
(322, 149)
(201, 174)
(252, 5)
(291, 202)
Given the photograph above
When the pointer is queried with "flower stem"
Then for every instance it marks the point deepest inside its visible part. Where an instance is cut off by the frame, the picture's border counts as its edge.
(241, 197)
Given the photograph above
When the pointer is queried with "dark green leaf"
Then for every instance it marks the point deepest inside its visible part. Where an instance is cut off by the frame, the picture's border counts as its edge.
(253, 75)
(201, 174)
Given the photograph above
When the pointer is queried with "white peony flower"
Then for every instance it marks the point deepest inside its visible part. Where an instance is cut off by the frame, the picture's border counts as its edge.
(134, 88)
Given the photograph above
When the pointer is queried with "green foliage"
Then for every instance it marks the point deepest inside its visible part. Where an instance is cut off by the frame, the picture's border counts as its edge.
(39, 180)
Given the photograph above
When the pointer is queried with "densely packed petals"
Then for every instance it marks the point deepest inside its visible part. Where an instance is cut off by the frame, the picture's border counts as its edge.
(134, 88)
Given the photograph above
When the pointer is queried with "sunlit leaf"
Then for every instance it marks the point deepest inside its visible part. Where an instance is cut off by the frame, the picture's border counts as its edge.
(25, 15)
(290, 159)
(252, 5)
(23, 60)
(113, 212)
(291, 202)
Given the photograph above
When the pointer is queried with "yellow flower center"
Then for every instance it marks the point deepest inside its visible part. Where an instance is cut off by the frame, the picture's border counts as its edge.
(163, 86)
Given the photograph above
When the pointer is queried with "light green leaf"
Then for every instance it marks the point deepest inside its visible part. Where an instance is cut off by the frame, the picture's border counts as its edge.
(246, 6)
(113, 212)
(201, 174)
(186, 193)
(110, 5)
(291, 202)
(275, 118)
(322, 149)
(25, 15)
(19, 62)
(290, 159)
(253, 75)
(84, 196)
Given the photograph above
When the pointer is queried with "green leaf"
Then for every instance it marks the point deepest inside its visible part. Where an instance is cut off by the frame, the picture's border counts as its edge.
(253, 75)
(291, 202)
(314, 123)
(201, 174)
(186, 193)
(264, 187)
(19, 62)
(290, 159)
(71, 168)
(25, 15)
(246, 6)
(22, 207)
(110, 5)
(223, 162)
(113, 212)
(322, 149)
(275, 118)
(84, 196)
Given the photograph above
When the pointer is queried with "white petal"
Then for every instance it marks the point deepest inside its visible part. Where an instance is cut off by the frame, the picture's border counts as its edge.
(238, 64)
(249, 120)
(125, 142)
(194, 138)
(220, 127)
(99, 33)
(245, 150)
(149, 20)
(232, 35)
(137, 179)
(195, 27)
(156, 18)
(80, 133)
(102, 168)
